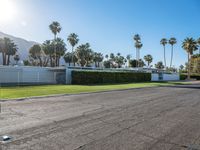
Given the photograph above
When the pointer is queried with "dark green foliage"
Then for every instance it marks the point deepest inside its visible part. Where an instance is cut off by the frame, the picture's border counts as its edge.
(183, 76)
(193, 76)
(102, 77)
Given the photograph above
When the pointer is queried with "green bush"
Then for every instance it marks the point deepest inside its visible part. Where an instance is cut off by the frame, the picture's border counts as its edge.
(183, 76)
(102, 77)
(193, 76)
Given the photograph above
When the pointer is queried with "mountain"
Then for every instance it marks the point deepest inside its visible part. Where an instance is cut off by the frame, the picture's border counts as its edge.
(22, 44)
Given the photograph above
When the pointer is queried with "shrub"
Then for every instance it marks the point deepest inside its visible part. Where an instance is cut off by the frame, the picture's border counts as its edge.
(193, 76)
(102, 77)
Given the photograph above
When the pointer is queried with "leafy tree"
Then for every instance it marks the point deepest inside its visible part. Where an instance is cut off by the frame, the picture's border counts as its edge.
(159, 65)
(148, 58)
(189, 45)
(172, 41)
(73, 40)
(164, 42)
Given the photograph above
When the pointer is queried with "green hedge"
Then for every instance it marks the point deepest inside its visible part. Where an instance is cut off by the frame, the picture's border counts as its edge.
(193, 76)
(102, 77)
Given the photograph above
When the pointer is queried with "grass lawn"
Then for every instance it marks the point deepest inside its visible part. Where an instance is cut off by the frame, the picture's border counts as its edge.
(44, 90)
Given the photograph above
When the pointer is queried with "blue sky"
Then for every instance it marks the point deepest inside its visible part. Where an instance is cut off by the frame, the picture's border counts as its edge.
(109, 25)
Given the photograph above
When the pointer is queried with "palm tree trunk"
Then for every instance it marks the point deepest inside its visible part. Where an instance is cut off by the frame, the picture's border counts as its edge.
(4, 58)
(72, 54)
(188, 66)
(8, 60)
(171, 56)
(164, 57)
(136, 57)
(55, 52)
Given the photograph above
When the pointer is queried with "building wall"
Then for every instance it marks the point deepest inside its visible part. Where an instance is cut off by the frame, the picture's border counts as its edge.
(29, 75)
(165, 77)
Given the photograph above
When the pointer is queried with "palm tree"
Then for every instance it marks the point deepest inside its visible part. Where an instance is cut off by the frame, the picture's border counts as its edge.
(60, 49)
(164, 42)
(172, 41)
(35, 54)
(159, 65)
(138, 46)
(55, 29)
(198, 42)
(148, 58)
(7, 48)
(73, 40)
(16, 58)
(189, 45)
(106, 56)
(68, 58)
(84, 54)
(48, 49)
(128, 57)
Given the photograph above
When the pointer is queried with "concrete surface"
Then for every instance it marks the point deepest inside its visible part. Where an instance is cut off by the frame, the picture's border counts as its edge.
(162, 118)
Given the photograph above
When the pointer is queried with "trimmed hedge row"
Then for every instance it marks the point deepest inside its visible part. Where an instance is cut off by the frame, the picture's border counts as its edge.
(102, 77)
(184, 76)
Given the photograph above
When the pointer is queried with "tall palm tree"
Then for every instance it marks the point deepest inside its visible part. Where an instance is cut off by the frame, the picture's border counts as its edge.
(172, 41)
(55, 29)
(198, 42)
(163, 42)
(138, 46)
(189, 45)
(73, 40)
(148, 58)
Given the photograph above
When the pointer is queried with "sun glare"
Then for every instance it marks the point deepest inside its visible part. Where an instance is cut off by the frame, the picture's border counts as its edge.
(7, 11)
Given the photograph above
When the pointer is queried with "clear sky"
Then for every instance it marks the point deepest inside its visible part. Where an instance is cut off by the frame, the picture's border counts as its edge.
(108, 25)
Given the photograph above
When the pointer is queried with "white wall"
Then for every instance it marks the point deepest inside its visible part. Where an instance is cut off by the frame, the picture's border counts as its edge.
(171, 77)
(166, 77)
(23, 74)
(154, 77)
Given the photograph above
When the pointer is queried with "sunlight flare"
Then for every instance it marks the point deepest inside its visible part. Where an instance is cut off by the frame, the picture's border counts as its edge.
(7, 10)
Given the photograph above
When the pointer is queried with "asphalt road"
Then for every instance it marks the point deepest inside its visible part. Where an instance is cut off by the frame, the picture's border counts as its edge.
(162, 118)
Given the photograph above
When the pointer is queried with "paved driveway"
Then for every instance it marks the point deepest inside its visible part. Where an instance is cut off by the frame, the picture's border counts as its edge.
(163, 118)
